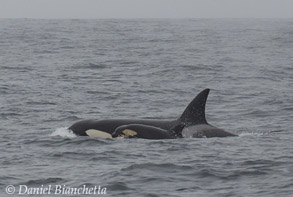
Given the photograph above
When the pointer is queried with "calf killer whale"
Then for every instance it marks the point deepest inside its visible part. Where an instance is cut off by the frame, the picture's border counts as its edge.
(192, 123)
(142, 131)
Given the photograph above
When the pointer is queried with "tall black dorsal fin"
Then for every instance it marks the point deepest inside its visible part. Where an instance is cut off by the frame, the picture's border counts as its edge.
(195, 111)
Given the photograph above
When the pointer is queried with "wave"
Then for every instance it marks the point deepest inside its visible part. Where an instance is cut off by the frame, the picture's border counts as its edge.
(43, 181)
(257, 133)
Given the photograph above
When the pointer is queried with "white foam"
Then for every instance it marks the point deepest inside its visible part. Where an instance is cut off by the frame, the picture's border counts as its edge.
(250, 134)
(63, 132)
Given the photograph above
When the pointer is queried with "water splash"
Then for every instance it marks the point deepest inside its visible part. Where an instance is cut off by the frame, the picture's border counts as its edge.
(244, 134)
(63, 132)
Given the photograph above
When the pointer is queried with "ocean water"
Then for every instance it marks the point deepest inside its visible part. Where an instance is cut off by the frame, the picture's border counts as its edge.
(56, 72)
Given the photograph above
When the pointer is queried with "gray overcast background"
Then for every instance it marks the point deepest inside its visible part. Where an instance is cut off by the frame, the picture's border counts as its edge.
(146, 8)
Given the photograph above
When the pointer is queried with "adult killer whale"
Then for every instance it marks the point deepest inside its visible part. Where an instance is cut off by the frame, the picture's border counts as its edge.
(192, 123)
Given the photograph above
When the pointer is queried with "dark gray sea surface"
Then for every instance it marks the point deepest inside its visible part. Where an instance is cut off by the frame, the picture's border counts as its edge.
(56, 72)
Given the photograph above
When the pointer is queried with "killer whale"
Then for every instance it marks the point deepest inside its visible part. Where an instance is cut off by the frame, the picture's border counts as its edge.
(151, 132)
(142, 131)
(192, 123)
(188, 117)
(190, 128)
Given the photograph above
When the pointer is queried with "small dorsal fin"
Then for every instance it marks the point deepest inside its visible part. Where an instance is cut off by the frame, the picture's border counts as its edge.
(195, 111)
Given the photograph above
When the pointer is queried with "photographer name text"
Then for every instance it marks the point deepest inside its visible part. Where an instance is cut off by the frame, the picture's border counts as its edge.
(56, 190)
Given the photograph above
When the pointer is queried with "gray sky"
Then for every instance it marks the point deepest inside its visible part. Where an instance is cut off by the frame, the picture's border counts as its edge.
(146, 8)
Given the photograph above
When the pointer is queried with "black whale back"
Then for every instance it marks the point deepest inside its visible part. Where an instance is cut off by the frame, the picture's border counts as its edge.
(192, 115)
